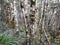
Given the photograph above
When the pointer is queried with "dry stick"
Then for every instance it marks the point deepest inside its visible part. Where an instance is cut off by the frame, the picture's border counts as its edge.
(26, 16)
(38, 5)
(43, 19)
(32, 22)
(25, 23)
(16, 17)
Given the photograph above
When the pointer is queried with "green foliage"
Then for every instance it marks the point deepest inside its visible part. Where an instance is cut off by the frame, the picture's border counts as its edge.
(6, 40)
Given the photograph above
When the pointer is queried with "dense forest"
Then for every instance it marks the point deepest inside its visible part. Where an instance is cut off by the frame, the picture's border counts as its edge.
(29, 22)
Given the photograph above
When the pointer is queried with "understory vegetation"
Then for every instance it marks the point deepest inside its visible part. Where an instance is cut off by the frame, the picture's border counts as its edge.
(29, 22)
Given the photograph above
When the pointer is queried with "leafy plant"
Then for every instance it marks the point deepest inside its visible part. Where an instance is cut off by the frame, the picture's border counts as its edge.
(6, 40)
